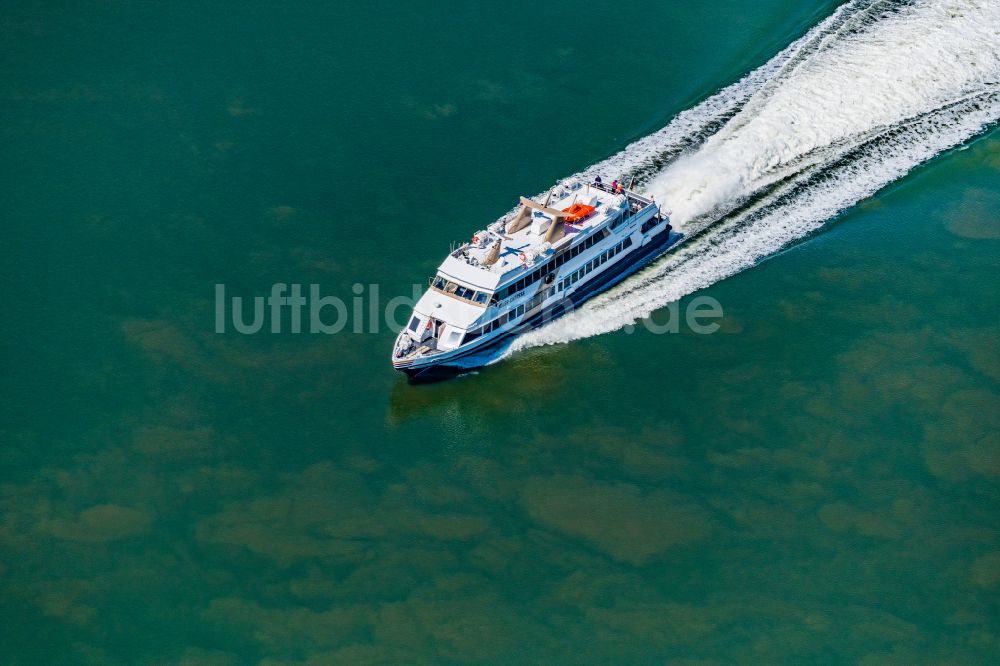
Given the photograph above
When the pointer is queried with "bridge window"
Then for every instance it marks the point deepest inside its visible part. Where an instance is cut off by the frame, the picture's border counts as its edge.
(460, 291)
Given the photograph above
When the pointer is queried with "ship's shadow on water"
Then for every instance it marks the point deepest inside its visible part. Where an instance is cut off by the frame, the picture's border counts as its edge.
(529, 376)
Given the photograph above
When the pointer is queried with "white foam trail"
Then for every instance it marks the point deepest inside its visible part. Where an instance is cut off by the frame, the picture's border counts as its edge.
(872, 91)
(693, 125)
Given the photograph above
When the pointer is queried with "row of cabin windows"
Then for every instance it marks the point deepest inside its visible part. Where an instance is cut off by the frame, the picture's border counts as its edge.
(465, 293)
(620, 220)
(561, 259)
(649, 224)
(509, 316)
(573, 277)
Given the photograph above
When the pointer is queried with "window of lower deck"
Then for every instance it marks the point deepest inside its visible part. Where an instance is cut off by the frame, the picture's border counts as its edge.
(414, 323)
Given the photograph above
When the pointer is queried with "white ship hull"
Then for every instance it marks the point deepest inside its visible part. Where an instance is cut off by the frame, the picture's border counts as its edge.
(554, 283)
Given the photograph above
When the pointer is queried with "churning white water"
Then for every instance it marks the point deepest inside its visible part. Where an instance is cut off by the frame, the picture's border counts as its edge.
(871, 92)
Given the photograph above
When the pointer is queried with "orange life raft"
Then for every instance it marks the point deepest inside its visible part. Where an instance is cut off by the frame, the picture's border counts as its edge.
(578, 211)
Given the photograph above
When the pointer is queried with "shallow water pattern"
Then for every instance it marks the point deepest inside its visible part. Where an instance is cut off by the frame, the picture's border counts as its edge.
(817, 482)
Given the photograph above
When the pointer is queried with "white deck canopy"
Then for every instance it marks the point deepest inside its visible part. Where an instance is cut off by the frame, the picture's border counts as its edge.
(533, 229)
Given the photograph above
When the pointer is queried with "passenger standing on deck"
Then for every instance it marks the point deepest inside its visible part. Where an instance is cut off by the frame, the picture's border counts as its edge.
(614, 185)
(597, 181)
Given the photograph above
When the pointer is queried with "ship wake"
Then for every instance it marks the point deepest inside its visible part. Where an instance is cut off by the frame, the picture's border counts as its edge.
(876, 89)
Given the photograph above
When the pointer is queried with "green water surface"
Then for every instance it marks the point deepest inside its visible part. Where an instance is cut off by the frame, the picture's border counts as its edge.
(818, 482)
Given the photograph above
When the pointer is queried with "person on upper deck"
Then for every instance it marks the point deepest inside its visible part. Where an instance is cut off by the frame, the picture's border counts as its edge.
(614, 185)
(597, 181)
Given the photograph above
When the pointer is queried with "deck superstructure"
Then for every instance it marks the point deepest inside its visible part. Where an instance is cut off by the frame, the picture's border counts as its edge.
(531, 265)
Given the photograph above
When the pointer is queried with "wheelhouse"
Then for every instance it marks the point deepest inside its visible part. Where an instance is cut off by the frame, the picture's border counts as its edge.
(460, 291)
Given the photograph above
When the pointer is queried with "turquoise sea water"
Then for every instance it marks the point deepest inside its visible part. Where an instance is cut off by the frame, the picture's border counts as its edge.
(815, 483)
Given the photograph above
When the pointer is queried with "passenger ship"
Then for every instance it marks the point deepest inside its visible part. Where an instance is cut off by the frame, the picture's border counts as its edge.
(532, 265)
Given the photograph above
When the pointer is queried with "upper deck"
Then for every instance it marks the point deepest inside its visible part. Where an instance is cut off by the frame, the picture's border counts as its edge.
(526, 234)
